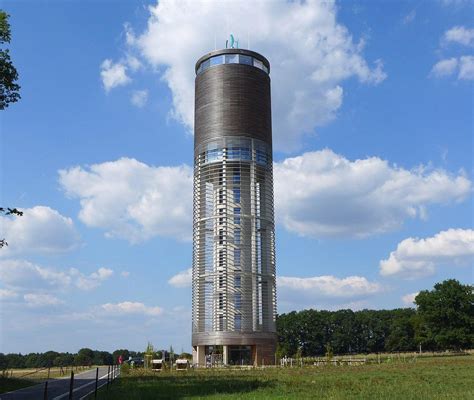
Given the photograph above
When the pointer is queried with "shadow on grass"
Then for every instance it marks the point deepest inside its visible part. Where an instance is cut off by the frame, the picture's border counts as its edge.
(181, 386)
(9, 384)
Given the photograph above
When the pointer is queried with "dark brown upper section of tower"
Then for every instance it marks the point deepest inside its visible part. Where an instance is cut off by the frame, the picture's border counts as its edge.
(232, 99)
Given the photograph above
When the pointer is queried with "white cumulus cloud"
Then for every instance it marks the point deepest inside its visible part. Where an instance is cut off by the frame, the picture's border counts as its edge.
(89, 282)
(132, 200)
(8, 294)
(41, 300)
(415, 257)
(113, 74)
(445, 67)
(139, 98)
(40, 230)
(26, 275)
(325, 292)
(310, 52)
(463, 65)
(409, 298)
(330, 286)
(130, 307)
(460, 35)
(182, 279)
(321, 194)
(466, 68)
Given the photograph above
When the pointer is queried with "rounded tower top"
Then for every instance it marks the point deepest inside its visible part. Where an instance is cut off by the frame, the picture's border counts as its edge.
(256, 59)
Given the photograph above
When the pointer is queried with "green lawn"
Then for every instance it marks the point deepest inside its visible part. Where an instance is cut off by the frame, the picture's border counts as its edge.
(427, 378)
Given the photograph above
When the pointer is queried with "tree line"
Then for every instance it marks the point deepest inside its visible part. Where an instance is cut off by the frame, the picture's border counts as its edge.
(84, 357)
(442, 320)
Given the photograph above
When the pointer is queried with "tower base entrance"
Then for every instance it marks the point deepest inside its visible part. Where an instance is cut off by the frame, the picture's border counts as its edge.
(234, 355)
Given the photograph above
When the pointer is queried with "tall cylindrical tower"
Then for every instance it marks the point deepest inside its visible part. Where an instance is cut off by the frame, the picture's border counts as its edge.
(234, 292)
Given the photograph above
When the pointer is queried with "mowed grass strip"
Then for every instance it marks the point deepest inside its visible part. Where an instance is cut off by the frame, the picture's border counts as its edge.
(434, 378)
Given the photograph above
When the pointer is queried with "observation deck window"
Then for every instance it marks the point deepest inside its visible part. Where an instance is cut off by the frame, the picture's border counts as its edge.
(261, 157)
(247, 60)
(239, 153)
(216, 60)
(231, 59)
(213, 155)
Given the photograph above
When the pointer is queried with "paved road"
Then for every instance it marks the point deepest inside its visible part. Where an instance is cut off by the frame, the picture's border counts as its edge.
(58, 389)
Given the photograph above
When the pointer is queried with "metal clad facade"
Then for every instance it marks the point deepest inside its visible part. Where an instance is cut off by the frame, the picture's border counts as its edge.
(234, 280)
(233, 100)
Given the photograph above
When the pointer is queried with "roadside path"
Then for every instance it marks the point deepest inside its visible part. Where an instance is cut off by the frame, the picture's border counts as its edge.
(58, 389)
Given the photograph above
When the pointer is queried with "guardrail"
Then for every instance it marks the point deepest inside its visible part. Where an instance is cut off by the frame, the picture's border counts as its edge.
(113, 372)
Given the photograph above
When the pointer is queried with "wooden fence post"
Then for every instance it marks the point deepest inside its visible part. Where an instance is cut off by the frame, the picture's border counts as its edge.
(96, 382)
(71, 385)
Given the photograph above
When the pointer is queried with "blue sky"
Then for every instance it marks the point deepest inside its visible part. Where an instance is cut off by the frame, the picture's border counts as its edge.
(372, 119)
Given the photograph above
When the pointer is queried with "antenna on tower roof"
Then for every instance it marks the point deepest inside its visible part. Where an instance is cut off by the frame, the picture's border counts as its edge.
(231, 43)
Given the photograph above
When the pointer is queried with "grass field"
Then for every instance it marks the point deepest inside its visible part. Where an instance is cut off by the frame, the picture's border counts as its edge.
(425, 378)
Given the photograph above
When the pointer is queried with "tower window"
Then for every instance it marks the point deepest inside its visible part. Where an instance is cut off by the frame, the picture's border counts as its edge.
(232, 59)
(236, 177)
(237, 258)
(237, 236)
(261, 157)
(238, 301)
(221, 301)
(221, 322)
(257, 63)
(245, 60)
(236, 195)
(216, 60)
(238, 322)
(237, 215)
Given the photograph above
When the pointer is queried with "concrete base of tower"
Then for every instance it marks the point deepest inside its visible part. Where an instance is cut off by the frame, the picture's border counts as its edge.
(229, 348)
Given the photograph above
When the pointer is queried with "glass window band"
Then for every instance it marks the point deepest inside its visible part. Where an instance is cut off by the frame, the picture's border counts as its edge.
(231, 59)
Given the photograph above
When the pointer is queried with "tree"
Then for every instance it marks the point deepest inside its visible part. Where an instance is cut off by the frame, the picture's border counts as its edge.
(447, 315)
(402, 332)
(121, 352)
(84, 357)
(149, 352)
(9, 89)
(8, 211)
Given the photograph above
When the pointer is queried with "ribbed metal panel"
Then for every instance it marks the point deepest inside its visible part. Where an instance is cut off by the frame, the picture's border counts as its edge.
(232, 100)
